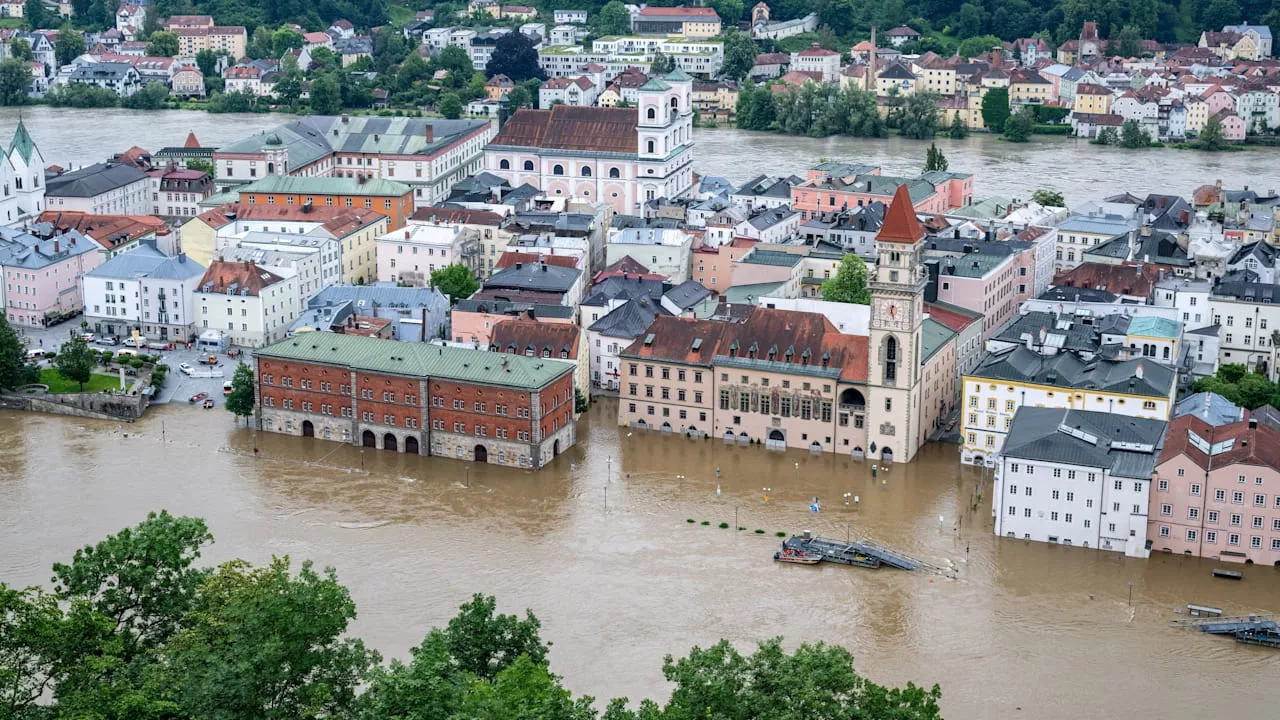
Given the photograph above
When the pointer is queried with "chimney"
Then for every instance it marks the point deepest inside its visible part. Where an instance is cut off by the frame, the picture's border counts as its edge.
(995, 58)
(406, 234)
(431, 133)
(56, 246)
(1138, 371)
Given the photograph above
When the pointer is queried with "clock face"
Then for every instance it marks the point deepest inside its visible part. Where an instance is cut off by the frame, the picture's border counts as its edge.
(891, 313)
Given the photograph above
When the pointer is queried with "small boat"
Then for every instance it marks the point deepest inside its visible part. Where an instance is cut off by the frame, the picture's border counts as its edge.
(1228, 574)
(208, 403)
(796, 557)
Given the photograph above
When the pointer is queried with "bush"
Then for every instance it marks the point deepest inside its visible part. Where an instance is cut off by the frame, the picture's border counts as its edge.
(691, 521)
(136, 363)
(780, 534)
(724, 526)
(706, 522)
(1051, 129)
(759, 531)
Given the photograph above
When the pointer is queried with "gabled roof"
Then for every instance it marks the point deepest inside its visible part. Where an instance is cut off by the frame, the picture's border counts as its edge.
(1125, 279)
(630, 319)
(522, 336)
(236, 278)
(22, 142)
(1126, 446)
(93, 180)
(566, 127)
(1216, 447)
(146, 261)
(900, 222)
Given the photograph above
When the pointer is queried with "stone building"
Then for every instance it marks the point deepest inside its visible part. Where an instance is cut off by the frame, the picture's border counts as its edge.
(472, 405)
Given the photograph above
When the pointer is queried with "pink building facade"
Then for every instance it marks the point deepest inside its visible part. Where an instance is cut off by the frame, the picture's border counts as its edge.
(42, 275)
(985, 284)
(827, 190)
(1216, 492)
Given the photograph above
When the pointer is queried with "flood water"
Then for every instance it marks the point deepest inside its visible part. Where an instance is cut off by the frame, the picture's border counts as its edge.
(597, 544)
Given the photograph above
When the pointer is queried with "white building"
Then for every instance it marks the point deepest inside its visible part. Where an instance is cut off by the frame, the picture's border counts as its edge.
(302, 264)
(409, 255)
(613, 333)
(101, 189)
(1247, 317)
(251, 306)
(1077, 478)
(663, 251)
(1188, 298)
(326, 248)
(570, 16)
(144, 290)
(22, 174)
(579, 92)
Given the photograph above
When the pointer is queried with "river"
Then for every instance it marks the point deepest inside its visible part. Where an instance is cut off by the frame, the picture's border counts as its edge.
(597, 544)
(1082, 172)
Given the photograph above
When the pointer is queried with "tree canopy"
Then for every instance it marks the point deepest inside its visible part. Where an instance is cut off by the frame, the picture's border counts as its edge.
(134, 627)
(455, 281)
(14, 368)
(240, 402)
(1246, 389)
(74, 361)
(514, 56)
(850, 282)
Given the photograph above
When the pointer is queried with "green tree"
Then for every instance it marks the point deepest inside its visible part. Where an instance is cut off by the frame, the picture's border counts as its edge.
(151, 97)
(36, 14)
(1211, 138)
(662, 64)
(739, 54)
(240, 402)
(514, 56)
(390, 49)
(958, 130)
(1107, 136)
(30, 629)
(1133, 136)
(412, 71)
(934, 159)
(266, 643)
(200, 164)
(995, 109)
(207, 61)
(1019, 126)
(719, 682)
(15, 82)
(288, 87)
(70, 45)
(449, 106)
(73, 361)
(20, 49)
(1127, 42)
(14, 368)
(286, 39)
(455, 61)
(918, 118)
(326, 95)
(1048, 198)
(261, 43)
(163, 44)
(519, 97)
(975, 46)
(525, 690)
(455, 281)
(483, 642)
(850, 282)
(613, 19)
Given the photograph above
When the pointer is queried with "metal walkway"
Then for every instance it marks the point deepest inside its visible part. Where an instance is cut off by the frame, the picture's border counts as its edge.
(862, 553)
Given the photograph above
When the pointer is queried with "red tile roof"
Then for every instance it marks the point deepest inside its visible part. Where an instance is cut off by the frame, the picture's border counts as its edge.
(1127, 279)
(238, 277)
(337, 220)
(191, 142)
(627, 266)
(565, 127)
(109, 231)
(816, 50)
(692, 12)
(459, 216)
(953, 317)
(1253, 445)
(507, 259)
(523, 336)
(900, 221)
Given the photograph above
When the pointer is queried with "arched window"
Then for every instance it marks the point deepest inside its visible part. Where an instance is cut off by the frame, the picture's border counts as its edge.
(504, 164)
(675, 104)
(586, 172)
(650, 146)
(890, 359)
(652, 114)
(614, 173)
(557, 170)
(528, 164)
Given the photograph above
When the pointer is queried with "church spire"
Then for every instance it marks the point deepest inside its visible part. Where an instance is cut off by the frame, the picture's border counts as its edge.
(900, 222)
(22, 142)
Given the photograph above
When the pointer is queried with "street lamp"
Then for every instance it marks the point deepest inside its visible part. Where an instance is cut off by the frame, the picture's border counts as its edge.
(468, 481)
(608, 476)
(766, 493)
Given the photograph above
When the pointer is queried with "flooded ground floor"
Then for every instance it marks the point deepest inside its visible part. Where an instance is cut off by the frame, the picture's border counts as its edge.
(599, 545)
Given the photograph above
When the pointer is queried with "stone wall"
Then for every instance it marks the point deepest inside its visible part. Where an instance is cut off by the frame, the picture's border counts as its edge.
(97, 406)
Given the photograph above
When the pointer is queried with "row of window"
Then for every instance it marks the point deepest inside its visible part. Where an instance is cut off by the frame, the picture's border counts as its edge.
(666, 412)
(1211, 516)
(1233, 539)
(505, 164)
(1053, 515)
(785, 406)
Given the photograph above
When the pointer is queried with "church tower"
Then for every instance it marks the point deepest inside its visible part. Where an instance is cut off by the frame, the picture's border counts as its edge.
(897, 314)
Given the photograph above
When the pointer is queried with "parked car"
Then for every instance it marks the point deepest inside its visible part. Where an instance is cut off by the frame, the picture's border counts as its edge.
(185, 369)
(226, 388)
(135, 342)
(109, 340)
(198, 397)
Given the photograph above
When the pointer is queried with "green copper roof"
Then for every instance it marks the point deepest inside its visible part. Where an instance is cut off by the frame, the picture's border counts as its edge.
(302, 185)
(678, 75)
(22, 142)
(418, 360)
(655, 84)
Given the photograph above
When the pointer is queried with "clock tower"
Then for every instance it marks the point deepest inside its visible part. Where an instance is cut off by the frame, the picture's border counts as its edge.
(897, 314)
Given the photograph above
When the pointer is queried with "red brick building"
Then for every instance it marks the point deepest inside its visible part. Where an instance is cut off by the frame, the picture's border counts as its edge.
(467, 404)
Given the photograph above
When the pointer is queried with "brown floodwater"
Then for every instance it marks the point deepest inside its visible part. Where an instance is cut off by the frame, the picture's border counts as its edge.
(598, 546)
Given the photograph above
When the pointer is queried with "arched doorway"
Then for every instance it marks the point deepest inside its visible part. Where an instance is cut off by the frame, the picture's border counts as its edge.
(389, 442)
(308, 430)
(815, 446)
(979, 460)
(368, 439)
(411, 445)
(555, 448)
(886, 455)
(858, 454)
(482, 454)
(691, 432)
(776, 440)
(776, 434)
(728, 436)
(666, 427)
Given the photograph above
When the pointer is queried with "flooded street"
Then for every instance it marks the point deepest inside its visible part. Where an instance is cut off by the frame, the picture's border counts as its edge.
(619, 578)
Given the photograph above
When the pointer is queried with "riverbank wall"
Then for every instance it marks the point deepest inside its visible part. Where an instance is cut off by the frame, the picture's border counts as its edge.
(93, 406)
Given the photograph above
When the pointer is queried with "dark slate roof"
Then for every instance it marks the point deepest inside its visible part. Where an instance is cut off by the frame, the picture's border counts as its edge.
(1077, 335)
(983, 247)
(629, 320)
(504, 307)
(531, 276)
(93, 180)
(1068, 370)
(1260, 251)
(625, 288)
(767, 186)
(1127, 446)
(1209, 407)
(1117, 247)
(1162, 248)
(1072, 294)
(687, 294)
(1249, 291)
